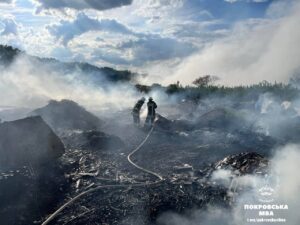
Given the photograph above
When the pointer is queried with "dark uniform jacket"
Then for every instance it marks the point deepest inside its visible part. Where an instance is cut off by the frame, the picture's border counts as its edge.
(137, 107)
(151, 108)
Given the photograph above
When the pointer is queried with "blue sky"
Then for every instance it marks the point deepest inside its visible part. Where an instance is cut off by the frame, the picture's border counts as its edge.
(151, 36)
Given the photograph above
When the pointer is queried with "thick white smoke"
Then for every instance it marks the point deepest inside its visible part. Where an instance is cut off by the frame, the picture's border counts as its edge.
(285, 182)
(255, 50)
(30, 84)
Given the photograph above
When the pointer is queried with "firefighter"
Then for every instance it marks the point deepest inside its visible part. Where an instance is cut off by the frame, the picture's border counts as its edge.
(136, 111)
(151, 111)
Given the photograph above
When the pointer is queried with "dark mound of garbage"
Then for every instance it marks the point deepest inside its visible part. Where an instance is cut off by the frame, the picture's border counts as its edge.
(218, 118)
(92, 140)
(244, 163)
(31, 178)
(28, 140)
(172, 125)
(67, 115)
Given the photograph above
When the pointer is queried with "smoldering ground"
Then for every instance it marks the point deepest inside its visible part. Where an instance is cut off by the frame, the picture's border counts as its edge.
(276, 117)
(286, 188)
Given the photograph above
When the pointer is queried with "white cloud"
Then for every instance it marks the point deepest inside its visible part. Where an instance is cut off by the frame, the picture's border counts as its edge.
(118, 45)
(67, 30)
(153, 34)
(155, 48)
(140, 50)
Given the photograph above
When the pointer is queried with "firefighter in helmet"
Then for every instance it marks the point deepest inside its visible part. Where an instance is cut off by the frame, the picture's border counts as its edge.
(151, 111)
(136, 111)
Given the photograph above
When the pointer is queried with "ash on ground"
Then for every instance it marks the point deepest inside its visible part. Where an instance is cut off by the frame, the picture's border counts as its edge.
(64, 150)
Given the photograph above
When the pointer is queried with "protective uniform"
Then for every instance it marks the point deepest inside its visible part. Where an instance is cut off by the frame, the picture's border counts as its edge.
(151, 111)
(136, 111)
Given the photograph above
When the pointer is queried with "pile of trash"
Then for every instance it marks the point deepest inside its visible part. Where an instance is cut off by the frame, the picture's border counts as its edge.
(184, 189)
(67, 115)
(244, 163)
(31, 180)
(28, 141)
(83, 157)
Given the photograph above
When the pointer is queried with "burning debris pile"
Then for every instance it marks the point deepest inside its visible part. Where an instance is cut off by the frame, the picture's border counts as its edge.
(185, 189)
(244, 163)
(184, 152)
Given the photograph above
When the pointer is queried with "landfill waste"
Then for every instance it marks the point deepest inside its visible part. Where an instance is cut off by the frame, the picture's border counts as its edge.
(28, 140)
(30, 174)
(245, 163)
(184, 153)
(67, 115)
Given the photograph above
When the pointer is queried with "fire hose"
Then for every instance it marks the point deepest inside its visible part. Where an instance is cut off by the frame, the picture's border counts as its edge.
(159, 177)
(138, 148)
(71, 201)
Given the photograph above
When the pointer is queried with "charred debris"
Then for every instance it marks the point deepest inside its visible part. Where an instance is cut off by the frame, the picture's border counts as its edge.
(62, 150)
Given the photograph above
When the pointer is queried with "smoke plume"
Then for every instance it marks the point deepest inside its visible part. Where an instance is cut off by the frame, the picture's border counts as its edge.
(255, 50)
(286, 186)
(27, 83)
